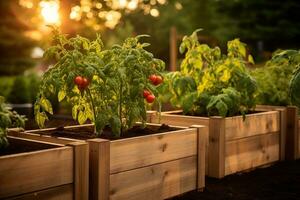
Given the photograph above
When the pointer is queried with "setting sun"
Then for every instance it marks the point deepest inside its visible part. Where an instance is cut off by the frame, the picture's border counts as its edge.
(50, 12)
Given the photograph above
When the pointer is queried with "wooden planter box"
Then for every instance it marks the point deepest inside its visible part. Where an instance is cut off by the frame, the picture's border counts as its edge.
(56, 172)
(292, 126)
(157, 166)
(235, 145)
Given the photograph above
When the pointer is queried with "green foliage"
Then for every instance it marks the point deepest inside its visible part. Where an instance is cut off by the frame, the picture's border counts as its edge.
(8, 119)
(210, 83)
(117, 78)
(274, 78)
(20, 91)
(294, 87)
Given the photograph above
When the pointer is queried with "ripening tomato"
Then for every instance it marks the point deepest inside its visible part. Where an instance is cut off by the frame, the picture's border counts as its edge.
(152, 78)
(158, 80)
(146, 93)
(150, 98)
(78, 80)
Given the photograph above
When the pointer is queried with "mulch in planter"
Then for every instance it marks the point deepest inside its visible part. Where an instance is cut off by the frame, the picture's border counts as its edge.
(21, 146)
(280, 181)
(107, 134)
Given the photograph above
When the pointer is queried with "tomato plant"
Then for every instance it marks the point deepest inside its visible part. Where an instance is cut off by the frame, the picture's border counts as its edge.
(211, 83)
(8, 119)
(115, 80)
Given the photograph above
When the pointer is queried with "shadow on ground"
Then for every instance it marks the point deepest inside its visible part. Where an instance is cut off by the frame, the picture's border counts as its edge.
(280, 181)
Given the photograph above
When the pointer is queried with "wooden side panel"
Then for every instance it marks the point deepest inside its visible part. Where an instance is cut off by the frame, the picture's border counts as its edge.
(254, 124)
(28, 172)
(148, 150)
(216, 152)
(64, 192)
(251, 152)
(81, 171)
(282, 131)
(99, 169)
(292, 137)
(155, 182)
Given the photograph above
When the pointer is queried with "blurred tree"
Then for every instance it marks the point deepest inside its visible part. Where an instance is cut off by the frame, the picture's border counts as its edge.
(15, 47)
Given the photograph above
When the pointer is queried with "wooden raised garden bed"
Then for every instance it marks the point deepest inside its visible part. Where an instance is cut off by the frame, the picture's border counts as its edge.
(234, 144)
(292, 145)
(156, 166)
(44, 171)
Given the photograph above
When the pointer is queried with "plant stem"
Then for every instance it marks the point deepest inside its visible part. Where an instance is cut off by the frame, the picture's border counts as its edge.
(93, 108)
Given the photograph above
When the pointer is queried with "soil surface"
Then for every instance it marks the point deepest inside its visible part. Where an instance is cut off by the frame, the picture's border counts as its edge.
(278, 182)
(107, 134)
(21, 146)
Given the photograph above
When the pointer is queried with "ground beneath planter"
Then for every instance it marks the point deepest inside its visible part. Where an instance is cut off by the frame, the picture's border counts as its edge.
(280, 181)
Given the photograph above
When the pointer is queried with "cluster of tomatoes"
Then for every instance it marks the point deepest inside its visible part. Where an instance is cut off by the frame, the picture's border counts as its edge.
(155, 80)
(81, 82)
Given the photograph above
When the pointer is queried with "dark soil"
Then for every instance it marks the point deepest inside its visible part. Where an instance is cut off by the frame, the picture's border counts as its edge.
(21, 146)
(107, 134)
(280, 181)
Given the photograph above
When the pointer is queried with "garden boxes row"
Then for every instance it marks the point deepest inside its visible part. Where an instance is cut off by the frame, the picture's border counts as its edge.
(235, 143)
(156, 166)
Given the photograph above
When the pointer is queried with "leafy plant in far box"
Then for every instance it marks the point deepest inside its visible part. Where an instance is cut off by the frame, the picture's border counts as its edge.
(210, 83)
(108, 87)
(8, 119)
(274, 78)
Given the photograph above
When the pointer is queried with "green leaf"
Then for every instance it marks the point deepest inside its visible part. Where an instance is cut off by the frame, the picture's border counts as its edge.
(75, 112)
(40, 118)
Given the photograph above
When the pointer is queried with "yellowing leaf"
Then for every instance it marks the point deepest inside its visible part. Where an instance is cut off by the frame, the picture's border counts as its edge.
(250, 59)
(75, 111)
(46, 105)
(226, 76)
(242, 50)
(61, 95)
(82, 117)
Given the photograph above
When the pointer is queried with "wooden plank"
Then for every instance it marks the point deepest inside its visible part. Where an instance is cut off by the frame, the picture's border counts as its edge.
(251, 152)
(181, 120)
(147, 150)
(291, 150)
(39, 137)
(64, 192)
(254, 124)
(158, 181)
(283, 128)
(33, 171)
(81, 171)
(99, 169)
(216, 154)
(202, 132)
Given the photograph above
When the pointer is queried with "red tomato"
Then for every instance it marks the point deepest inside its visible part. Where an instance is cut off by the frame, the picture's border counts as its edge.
(158, 80)
(152, 78)
(150, 98)
(78, 80)
(146, 93)
(85, 83)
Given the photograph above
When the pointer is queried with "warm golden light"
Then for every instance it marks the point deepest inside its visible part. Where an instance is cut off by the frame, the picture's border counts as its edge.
(49, 12)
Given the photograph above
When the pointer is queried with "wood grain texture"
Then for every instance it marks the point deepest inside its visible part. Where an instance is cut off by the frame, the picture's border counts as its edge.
(251, 152)
(99, 169)
(33, 171)
(254, 124)
(298, 135)
(155, 182)
(81, 170)
(64, 192)
(292, 134)
(216, 154)
(132, 153)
